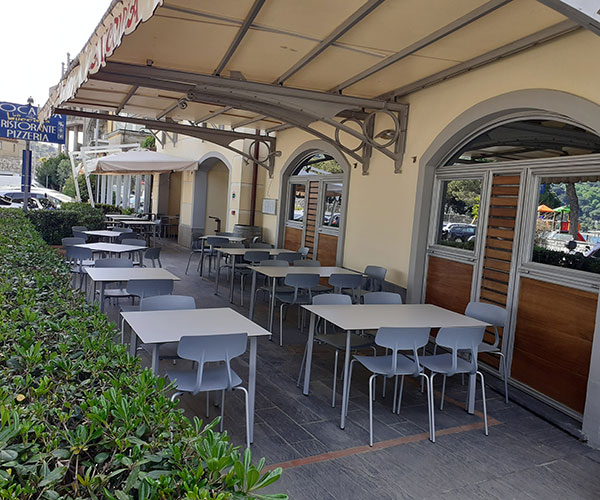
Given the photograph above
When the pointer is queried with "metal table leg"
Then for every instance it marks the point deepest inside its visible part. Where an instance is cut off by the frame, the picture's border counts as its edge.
(272, 305)
(252, 385)
(202, 247)
(232, 278)
(309, 351)
(218, 272)
(252, 294)
(345, 388)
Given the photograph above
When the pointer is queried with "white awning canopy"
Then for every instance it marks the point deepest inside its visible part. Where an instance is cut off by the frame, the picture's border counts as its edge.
(139, 162)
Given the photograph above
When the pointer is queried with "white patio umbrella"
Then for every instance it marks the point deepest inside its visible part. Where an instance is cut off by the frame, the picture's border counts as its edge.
(139, 161)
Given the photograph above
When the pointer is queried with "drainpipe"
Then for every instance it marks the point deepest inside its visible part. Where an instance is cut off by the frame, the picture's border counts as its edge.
(254, 182)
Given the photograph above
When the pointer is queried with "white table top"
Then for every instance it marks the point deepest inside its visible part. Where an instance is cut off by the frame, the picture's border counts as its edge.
(103, 234)
(281, 272)
(169, 326)
(129, 273)
(123, 216)
(139, 222)
(244, 251)
(230, 238)
(111, 247)
(371, 316)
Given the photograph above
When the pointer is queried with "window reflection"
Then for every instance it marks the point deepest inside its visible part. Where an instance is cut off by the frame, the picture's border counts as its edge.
(298, 204)
(332, 204)
(459, 213)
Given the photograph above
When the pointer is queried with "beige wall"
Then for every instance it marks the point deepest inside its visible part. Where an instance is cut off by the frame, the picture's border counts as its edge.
(217, 196)
(174, 193)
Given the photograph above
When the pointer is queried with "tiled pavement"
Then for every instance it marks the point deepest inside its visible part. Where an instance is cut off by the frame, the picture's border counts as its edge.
(523, 457)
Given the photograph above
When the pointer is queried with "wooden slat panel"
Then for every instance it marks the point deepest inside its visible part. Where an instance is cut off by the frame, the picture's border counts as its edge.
(495, 275)
(498, 298)
(508, 202)
(293, 238)
(498, 254)
(498, 265)
(496, 243)
(496, 222)
(499, 190)
(327, 250)
(448, 284)
(553, 340)
(500, 233)
(506, 180)
(495, 285)
(503, 211)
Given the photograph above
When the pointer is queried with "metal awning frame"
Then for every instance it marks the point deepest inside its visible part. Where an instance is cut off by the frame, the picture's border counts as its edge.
(296, 107)
(223, 138)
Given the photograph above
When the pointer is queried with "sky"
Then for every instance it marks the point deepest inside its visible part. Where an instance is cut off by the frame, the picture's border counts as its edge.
(36, 36)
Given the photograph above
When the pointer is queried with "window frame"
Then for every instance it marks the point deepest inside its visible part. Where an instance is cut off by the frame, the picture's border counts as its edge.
(573, 278)
(323, 181)
(454, 253)
(294, 181)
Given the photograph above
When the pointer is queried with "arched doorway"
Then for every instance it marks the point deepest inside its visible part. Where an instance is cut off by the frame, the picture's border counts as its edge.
(211, 194)
(314, 199)
(485, 241)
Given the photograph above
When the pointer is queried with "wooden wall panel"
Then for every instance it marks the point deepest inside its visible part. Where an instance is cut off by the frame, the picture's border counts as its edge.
(448, 284)
(327, 251)
(311, 217)
(553, 340)
(293, 238)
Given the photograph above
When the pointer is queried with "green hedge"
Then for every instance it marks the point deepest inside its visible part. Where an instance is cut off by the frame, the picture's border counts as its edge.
(563, 259)
(54, 225)
(80, 418)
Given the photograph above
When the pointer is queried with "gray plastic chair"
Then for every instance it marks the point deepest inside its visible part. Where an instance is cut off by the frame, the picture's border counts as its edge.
(214, 242)
(382, 298)
(126, 239)
(70, 241)
(496, 316)
(375, 277)
(79, 228)
(394, 365)
(307, 263)
(129, 235)
(351, 282)
(153, 254)
(196, 249)
(211, 349)
(122, 230)
(335, 340)
(268, 286)
(260, 244)
(448, 364)
(79, 258)
(302, 285)
(251, 258)
(80, 234)
(304, 251)
(167, 303)
(144, 288)
(289, 256)
(113, 262)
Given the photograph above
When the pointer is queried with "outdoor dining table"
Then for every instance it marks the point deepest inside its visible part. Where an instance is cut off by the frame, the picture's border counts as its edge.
(142, 223)
(109, 235)
(104, 275)
(159, 327)
(231, 239)
(111, 248)
(237, 252)
(372, 317)
(275, 272)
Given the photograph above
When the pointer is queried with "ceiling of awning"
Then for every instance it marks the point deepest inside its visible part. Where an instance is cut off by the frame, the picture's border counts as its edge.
(377, 50)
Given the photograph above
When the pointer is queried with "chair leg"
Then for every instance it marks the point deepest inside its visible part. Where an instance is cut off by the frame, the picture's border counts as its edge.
(384, 378)
(159, 262)
(335, 365)
(429, 408)
(222, 408)
(395, 393)
(247, 414)
(207, 404)
(485, 420)
(504, 375)
(443, 392)
(349, 386)
(302, 366)
(400, 395)
(188, 263)
(432, 406)
(242, 290)
(176, 395)
(371, 396)
(281, 324)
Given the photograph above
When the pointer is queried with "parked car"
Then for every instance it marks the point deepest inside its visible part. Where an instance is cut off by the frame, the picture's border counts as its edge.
(35, 201)
(461, 232)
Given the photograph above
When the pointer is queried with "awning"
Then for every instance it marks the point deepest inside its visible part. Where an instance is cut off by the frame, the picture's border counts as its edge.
(544, 209)
(139, 162)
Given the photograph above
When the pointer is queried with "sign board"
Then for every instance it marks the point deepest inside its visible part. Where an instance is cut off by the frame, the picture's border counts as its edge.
(269, 206)
(20, 121)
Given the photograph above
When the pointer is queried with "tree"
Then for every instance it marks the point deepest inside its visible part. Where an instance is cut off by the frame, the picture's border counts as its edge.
(69, 187)
(462, 196)
(54, 171)
(149, 143)
(574, 209)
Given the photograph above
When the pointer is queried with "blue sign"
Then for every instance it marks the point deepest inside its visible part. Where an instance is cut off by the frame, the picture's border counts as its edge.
(20, 121)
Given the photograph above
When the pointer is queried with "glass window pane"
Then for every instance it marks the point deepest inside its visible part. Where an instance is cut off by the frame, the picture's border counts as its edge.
(459, 213)
(567, 232)
(297, 202)
(333, 204)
